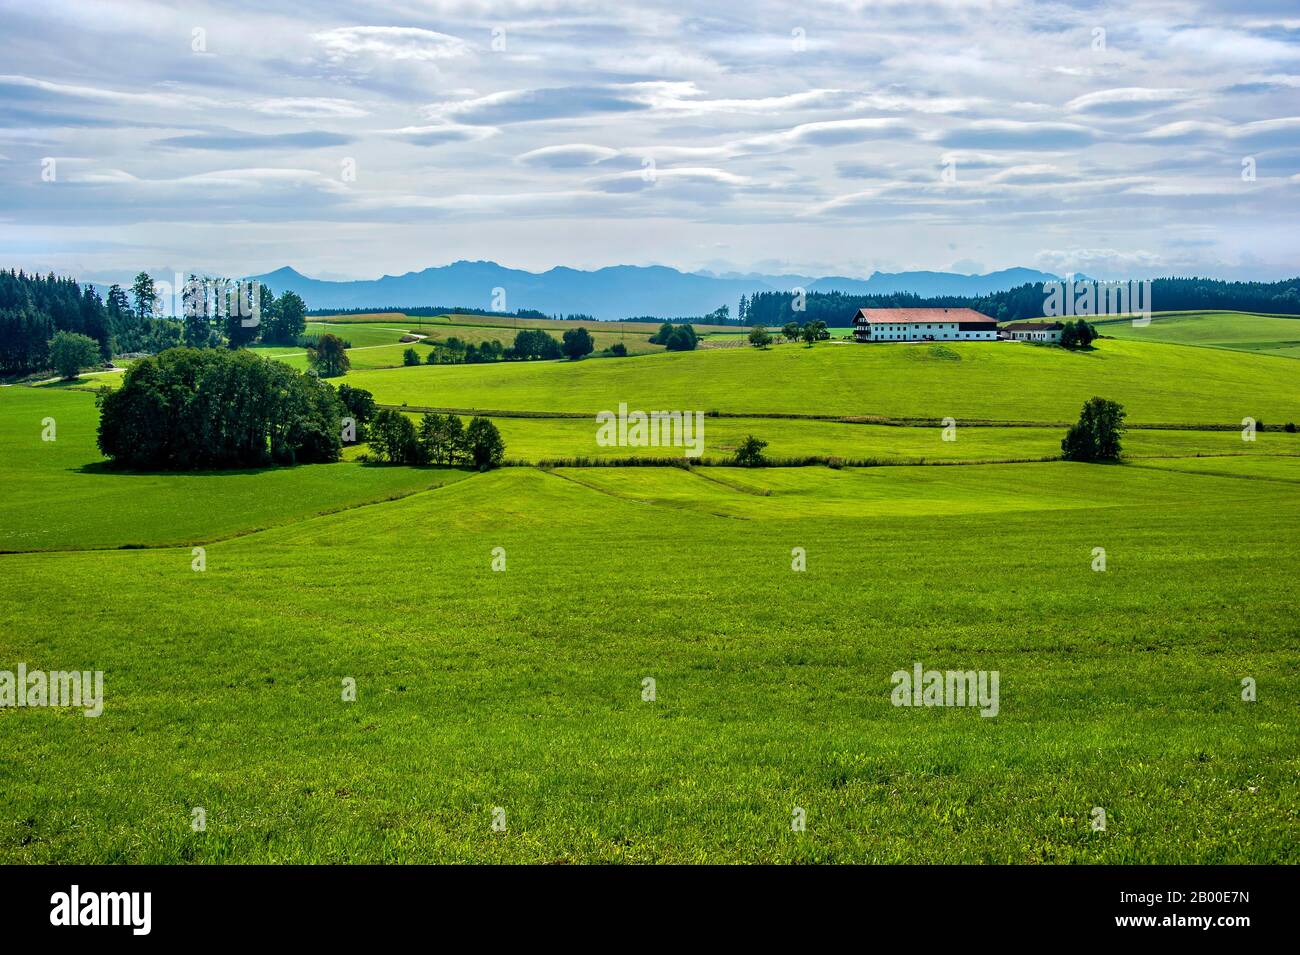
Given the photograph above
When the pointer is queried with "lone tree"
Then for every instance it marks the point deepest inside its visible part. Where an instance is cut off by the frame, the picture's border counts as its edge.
(759, 337)
(70, 352)
(750, 453)
(790, 331)
(410, 357)
(1096, 437)
(329, 356)
(577, 343)
(486, 449)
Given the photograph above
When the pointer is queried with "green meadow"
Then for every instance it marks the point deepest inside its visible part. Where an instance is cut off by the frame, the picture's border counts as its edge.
(1266, 334)
(534, 440)
(1005, 381)
(668, 665)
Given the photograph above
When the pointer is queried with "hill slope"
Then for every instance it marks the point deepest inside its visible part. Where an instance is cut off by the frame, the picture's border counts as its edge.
(1005, 381)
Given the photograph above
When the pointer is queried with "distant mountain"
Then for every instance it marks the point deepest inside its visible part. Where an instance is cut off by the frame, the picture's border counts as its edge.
(929, 284)
(614, 292)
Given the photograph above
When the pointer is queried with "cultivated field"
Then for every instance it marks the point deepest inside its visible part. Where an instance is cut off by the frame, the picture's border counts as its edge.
(1006, 381)
(523, 689)
(1269, 334)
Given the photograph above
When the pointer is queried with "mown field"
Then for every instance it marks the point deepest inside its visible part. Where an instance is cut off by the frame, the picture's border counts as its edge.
(521, 689)
(59, 496)
(1007, 381)
(546, 439)
(1243, 331)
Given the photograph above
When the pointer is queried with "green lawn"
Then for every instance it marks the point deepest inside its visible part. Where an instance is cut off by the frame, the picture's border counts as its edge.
(1244, 331)
(523, 689)
(58, 495)
(538, 439)
(1007, 381)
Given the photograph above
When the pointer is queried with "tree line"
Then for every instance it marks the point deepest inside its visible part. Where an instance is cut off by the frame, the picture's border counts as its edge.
(34, 308)
(837, 309)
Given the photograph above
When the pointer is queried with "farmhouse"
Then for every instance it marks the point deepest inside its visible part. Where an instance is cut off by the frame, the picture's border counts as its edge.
(1032, 331)
(922, 325)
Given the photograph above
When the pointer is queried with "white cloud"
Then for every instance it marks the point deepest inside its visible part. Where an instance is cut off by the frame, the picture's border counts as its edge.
(390, 43)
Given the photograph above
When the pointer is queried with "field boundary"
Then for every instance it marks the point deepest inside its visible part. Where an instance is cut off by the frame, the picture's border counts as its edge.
(881, 420)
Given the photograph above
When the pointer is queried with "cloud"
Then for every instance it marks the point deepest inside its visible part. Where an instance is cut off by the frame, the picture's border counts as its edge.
(438, 133)
(1125, 101)
(390, 44)
(561, 102)
(568, 156)
(1014, 134)
(309, 107)
(1261, 134)
(234, 140)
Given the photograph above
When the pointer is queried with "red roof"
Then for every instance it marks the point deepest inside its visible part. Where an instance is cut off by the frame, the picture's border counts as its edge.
(909, 316)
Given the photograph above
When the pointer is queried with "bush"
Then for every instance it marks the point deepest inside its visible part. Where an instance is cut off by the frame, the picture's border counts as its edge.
(618, 350)
(1096, 436)
(683, 338)
(577, 343)
(71, 352)
(410, 357)
(750, 453)
(759, 337)
(209, 408)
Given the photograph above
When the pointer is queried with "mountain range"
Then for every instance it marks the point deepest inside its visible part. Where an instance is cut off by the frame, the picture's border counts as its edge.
(614, 292)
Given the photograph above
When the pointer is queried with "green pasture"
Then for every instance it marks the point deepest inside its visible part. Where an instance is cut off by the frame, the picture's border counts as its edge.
(522, 690)
(1008, 381)
(1244, 331)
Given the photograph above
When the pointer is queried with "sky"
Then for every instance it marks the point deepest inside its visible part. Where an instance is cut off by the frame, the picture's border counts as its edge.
(352, 139)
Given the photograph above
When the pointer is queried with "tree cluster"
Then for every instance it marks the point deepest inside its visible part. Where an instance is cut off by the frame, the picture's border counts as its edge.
(676, 337)
(439, 439)
(210, 408)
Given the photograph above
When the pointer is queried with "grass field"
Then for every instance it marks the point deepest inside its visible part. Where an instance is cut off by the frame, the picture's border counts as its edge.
(1007, 381)
(1243, 331)
(521, 689)
(60, 497)
(539, 439)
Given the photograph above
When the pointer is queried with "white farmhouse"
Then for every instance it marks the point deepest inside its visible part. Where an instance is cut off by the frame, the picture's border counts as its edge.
(1033, 331)
(923, 325)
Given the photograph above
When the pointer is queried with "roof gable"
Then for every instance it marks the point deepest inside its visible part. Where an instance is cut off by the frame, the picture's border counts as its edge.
(912, 316)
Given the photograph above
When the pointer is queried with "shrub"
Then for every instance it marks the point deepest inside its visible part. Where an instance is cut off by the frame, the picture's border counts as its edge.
(759, 337)
(683, 338)
(71, 352)
(577, 343)
(750, 453)
(618, 350)
(410, 357)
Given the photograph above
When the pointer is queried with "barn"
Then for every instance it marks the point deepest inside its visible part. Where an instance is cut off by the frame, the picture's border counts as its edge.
(923, 325)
